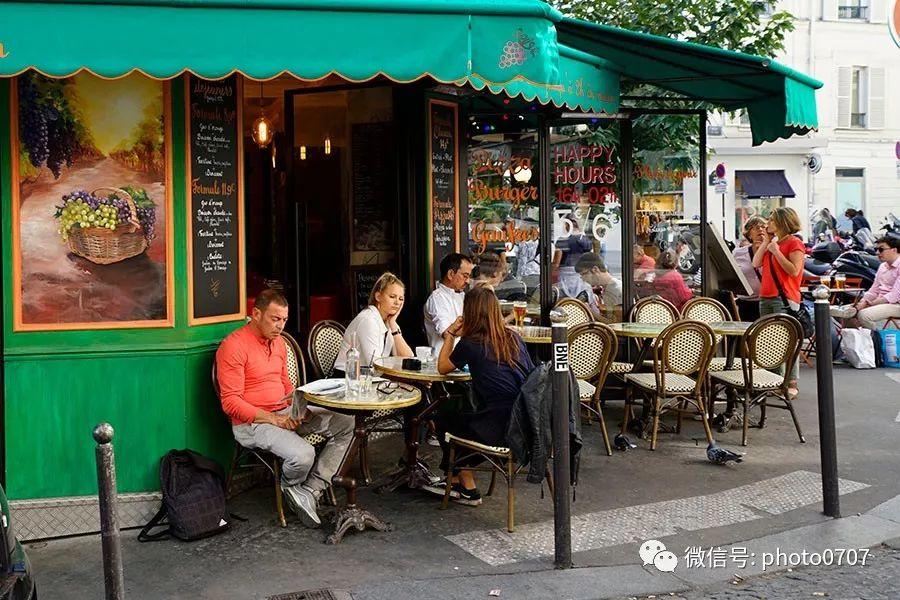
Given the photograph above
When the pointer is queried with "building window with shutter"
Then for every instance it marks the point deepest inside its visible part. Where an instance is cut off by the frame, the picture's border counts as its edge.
(853, 9)
(861, 97)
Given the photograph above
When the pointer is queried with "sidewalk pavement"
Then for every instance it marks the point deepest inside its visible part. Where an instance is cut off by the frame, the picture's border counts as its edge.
(770, 501)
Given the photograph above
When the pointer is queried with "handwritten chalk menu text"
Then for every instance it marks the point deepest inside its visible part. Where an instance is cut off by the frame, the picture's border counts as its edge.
(443, 181)
(214, 200)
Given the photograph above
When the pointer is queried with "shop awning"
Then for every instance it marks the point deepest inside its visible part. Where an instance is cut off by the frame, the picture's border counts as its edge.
(780, 101)
(761, 184)
(509, 46)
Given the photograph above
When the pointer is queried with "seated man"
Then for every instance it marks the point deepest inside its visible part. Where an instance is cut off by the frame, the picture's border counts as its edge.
(256, 392)
(882, 301)
(445, 304)
(594, 272)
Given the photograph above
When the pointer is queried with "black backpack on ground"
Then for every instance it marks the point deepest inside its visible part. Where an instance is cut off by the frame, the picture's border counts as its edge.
(193, 498)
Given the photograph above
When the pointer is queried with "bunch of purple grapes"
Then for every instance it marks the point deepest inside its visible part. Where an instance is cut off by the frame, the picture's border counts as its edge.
(147, 218)
(92, 201)
(33, 129)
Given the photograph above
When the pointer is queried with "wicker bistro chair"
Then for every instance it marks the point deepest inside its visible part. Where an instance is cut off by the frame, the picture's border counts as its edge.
(245, 457)
(680, 359)
(323, 346)
(499, 459)
(772, 341)
(709, 310)
(592, 349)
(653, 309)
(576, 312)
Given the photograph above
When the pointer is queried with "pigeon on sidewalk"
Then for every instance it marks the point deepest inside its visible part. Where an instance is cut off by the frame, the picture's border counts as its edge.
(720, 456)
(622, 443)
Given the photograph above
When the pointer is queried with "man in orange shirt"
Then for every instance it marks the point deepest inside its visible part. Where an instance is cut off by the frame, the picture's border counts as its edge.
(256, 392)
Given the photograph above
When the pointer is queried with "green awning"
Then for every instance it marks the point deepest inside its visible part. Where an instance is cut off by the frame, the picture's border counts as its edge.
(781, 102)
(508, 45)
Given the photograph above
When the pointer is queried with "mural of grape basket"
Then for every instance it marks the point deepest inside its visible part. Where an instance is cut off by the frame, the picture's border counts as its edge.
(107, 225)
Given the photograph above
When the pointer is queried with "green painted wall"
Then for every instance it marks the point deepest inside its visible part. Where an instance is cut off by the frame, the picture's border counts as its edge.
(152, 385)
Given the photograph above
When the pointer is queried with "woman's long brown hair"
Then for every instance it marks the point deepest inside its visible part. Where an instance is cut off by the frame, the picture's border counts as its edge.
(483, 323)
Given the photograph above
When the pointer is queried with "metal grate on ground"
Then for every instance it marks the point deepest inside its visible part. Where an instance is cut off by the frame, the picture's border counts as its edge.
(324, 594)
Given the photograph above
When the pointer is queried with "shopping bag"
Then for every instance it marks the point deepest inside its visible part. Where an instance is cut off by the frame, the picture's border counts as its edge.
(858, 348)
(890, 343)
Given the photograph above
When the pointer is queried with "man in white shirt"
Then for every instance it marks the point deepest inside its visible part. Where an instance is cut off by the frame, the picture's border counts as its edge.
(445, 304)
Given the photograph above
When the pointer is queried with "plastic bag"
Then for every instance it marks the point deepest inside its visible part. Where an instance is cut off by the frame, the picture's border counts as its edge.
(858, 348)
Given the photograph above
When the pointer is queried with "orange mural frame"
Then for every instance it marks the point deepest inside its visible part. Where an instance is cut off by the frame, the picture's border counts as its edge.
(189, 208)
(18, 324)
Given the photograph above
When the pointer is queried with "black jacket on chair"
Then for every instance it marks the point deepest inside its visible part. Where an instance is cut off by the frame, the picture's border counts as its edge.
(529, 435)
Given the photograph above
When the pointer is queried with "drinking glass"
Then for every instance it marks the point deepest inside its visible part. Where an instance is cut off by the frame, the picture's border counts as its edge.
(365, 382)
(825, 280)
(519, 310)
(839, 281)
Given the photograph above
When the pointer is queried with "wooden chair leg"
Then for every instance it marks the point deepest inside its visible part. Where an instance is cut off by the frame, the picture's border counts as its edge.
(655, 424)
(762, 413)
(279, 502)
(706, 429)
(746, 415)
(627, 411)
(603, 430)
(451, 463)
(510, 495)
(790, 406)
(330, 497)
(490, 489)
(548, 475)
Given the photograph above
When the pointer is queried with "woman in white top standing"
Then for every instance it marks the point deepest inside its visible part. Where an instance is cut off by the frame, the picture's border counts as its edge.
(377, 333)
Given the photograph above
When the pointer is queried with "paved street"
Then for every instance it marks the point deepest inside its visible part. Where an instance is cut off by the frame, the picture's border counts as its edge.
(878, 580)
(771, 500)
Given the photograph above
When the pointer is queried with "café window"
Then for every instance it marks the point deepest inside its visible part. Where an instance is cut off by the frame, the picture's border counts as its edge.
(666, 256)
(587, 227)
(504, 208)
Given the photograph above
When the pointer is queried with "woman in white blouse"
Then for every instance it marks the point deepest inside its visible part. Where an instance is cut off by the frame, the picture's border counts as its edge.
(377, 333)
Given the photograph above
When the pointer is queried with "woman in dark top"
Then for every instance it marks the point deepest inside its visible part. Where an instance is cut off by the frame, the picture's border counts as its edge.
(498, 362)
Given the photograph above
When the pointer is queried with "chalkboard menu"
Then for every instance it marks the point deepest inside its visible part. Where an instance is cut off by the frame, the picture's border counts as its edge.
(364, 279)
(215, 203)
(443, 181)
(374, 186)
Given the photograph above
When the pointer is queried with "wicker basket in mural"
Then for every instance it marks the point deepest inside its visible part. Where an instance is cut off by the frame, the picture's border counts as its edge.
(104, 246)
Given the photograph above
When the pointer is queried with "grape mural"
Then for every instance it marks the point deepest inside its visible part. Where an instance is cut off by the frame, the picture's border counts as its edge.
(92, 203)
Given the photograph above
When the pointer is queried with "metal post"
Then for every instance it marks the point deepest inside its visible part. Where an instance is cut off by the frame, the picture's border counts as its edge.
(545, 216)
(562, 510)
(825, 390)
(109, 519)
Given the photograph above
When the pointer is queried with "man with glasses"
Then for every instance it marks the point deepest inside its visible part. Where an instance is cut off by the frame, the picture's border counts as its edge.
(445, 304)
(882, 301)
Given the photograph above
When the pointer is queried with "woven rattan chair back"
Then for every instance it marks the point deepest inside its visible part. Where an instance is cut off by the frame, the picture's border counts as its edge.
(576, 311)
(323, 347)
(592, 347)
(684, 348)
(705, 310)
(772, 341)
(654, 309)
(296, 366)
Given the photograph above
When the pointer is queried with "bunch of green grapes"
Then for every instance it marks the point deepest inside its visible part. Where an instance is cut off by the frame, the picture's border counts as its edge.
(80, 209)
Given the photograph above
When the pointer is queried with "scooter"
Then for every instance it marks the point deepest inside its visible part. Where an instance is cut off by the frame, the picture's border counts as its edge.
(856, 264)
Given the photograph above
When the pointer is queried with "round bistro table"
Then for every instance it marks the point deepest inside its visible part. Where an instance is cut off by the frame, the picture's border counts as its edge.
(416, 473)
(351, 515)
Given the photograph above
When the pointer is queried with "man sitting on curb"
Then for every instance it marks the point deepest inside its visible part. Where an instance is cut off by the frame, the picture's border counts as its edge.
(882, 301)
(256, 392)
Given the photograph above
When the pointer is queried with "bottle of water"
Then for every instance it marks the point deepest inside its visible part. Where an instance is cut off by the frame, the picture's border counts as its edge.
(352, 368)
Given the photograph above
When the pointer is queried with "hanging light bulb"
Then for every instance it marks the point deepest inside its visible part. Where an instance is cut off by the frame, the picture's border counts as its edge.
(261, 131)
(327, 144)
(302, 152)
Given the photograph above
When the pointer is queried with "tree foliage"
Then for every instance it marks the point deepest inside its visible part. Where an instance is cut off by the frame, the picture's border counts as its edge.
(740, 25)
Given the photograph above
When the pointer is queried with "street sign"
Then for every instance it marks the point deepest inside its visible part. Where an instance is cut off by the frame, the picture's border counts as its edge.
(721, 185)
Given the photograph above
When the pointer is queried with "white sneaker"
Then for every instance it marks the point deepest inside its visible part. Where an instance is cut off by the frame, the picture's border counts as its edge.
(303, 502)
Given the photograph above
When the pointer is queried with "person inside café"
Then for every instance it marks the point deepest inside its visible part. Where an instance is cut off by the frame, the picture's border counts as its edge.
(445, 304)
(643, 264)
(593, 271)
(499, 364)
(256, 393)
(490, 270)
(882, 300)
(375, 327)
(780, 261)
(669, 283)
(754, 234)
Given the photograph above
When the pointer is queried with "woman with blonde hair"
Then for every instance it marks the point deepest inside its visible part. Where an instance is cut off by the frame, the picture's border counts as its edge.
(375, 327)
(755, 235)
(499, 363)
(780, 261)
